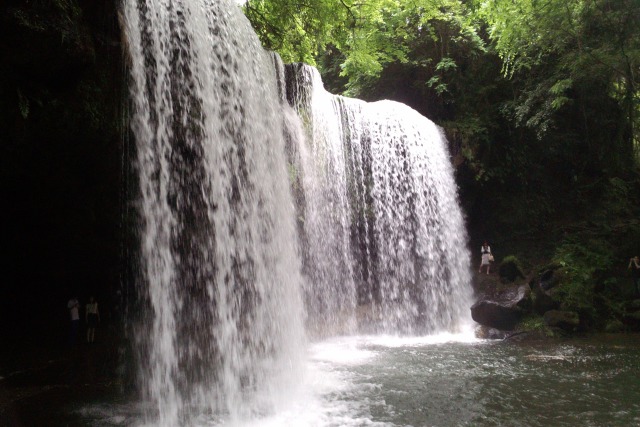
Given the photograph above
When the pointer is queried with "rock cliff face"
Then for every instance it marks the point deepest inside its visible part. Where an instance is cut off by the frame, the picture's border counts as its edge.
(61, 101)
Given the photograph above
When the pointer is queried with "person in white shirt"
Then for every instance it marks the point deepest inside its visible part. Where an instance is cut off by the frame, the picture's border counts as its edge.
(74, 314)
(486, 257)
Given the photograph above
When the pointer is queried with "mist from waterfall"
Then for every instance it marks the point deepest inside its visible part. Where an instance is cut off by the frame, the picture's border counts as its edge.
(271, 210)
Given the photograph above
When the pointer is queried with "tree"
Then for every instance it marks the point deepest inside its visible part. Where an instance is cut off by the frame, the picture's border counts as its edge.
(368, 34)
(569, 49)
(298, 29)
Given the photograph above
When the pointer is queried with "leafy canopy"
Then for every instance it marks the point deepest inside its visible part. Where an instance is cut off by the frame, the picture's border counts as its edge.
(368, 33)
(569, 46)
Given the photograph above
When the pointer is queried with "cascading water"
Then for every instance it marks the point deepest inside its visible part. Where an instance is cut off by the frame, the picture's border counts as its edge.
(227, 279)
(220, 263)
(324, 207)
(382, 227)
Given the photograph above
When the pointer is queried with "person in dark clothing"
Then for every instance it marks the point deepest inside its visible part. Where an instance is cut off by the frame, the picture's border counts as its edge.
(74, 314)
(92, 318)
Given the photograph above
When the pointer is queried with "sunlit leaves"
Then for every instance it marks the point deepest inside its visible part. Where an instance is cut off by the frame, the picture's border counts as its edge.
(446, 64)
(363, 63)
(368, 33)
(297, 29)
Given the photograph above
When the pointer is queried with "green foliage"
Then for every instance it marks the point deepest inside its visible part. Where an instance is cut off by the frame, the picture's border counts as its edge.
(614, 325)
(582, 265)
(563, 46)
(298, 30)
(511, 269)
(594, 253)
(534, 323)
(512, 259)
(570, 64)
(370, 34)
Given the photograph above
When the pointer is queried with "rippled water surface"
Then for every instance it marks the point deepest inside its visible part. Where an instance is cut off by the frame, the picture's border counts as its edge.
(430, 383)
(454, 381)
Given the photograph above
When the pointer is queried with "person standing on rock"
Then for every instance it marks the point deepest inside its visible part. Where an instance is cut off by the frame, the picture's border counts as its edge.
(634, 266)
(486, 257)
(92, 318)
(74, 314)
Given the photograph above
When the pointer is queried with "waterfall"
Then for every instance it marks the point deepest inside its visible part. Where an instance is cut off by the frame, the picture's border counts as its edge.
(384, 241)
(221, 274)
(269, 206)
(323, 205)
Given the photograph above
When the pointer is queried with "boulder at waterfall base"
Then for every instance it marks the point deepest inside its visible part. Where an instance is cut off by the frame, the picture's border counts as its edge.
(503, 309)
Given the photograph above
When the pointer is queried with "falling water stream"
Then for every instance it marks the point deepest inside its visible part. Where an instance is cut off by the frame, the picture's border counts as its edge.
(384, 239)
(220, 268)
(293, 243)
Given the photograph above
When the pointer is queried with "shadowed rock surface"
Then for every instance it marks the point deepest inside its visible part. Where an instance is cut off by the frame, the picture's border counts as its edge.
(503, 308)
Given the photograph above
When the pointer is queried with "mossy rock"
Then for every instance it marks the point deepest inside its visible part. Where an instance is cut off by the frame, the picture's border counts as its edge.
(510, 269)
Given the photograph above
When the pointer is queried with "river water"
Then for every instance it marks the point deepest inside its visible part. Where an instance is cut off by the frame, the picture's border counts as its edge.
(448, 380)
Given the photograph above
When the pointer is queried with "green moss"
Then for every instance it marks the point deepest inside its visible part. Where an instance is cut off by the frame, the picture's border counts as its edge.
(614, 325)
(511, 268)
(535, 323)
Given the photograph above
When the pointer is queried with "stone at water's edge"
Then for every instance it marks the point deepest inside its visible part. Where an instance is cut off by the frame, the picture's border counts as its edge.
(504, 309)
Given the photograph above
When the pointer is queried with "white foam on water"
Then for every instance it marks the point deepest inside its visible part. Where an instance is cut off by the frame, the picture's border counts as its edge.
(331, 396)
(405, 341)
